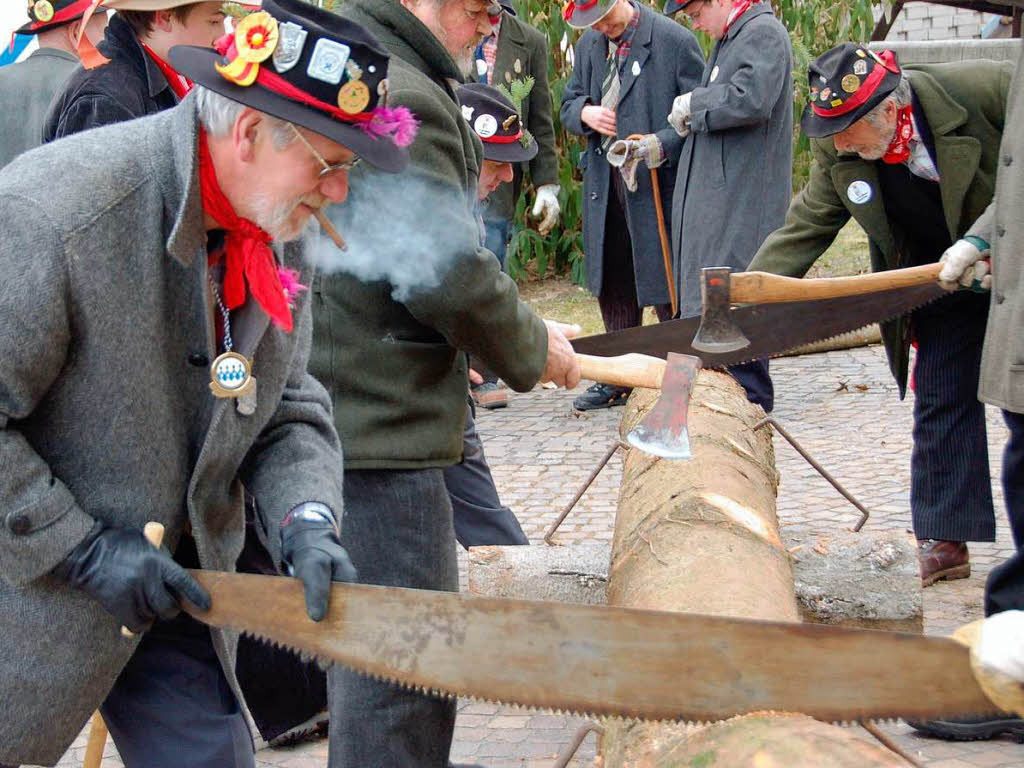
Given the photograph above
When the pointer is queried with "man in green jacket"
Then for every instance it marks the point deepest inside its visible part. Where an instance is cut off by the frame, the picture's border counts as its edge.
(911, 155)
(389, 348)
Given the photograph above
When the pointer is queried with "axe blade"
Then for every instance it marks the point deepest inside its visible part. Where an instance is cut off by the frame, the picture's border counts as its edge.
(717, 334)
(663, 432)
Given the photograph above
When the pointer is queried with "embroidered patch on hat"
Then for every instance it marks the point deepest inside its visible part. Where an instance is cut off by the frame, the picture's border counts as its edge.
(292, 39)
(327, 63)
(860, 67)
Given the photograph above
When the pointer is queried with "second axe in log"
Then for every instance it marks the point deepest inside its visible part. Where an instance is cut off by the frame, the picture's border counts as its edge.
(663, 430)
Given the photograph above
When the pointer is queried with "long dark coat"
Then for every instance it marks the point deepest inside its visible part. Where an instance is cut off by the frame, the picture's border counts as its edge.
(735, 169)
(26, 89)
(649, 84)
(965, 106)
(106, 412)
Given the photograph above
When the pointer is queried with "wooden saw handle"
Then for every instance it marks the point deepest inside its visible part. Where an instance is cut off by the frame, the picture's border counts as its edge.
(766, 288)
(632, 370)
(154, 533)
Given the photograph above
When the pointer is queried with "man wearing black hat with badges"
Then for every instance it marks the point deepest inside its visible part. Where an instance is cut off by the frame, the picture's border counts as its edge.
(629, 66)
(155, 332)
(137, 79)
(737, 160)
(479, 517)
(396, 371)
(911, 155)
(28, 87)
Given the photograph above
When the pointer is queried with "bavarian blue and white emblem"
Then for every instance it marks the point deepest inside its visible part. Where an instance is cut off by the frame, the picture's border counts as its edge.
(230, 375)
(292, 38)
(328, 61)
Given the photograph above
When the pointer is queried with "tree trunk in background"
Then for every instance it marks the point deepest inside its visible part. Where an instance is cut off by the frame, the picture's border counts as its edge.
(701, 536)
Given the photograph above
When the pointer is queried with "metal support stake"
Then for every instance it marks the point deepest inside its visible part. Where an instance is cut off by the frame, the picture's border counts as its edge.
(820, 469)
(569, 752)
(583, 488)
(888, 743)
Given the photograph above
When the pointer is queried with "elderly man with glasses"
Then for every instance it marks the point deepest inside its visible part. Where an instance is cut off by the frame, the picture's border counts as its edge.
(154, 334)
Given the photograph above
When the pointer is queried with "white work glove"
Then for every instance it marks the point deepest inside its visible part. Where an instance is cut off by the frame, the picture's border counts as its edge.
(963, 264)
(679, 117)
(546, 205)
(1001, 644)
(626, 154)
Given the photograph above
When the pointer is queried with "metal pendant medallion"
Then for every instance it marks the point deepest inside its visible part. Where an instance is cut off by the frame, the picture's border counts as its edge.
(289, 47)
(231, 375)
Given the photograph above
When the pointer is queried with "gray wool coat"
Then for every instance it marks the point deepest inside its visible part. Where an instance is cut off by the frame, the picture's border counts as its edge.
(735, 170)
(106, 412)
(1002, 227)
(26, 89)
(665, 61)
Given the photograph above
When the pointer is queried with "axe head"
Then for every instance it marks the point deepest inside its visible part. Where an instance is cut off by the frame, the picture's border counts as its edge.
(717, 334)
(663, 431)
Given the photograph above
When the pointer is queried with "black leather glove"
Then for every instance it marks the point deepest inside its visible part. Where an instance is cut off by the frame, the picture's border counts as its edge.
(133, 580)
(312, 552)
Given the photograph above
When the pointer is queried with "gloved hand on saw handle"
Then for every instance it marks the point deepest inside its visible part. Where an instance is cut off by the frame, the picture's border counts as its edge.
(679, 117)
(997, 657)
(134, 581)
(546, 205)
(311, 551)
(965, 263)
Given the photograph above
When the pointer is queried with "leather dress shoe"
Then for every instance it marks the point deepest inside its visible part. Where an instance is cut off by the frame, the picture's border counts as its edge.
(943, 560)
(601, 396)
(972, 728)
(489, 395)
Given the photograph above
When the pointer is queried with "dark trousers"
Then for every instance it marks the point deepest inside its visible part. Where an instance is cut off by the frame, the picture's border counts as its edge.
(398, 531)
(480, 517)
(171, 705)
(950, 488)
(1004, 590)
(620, 308)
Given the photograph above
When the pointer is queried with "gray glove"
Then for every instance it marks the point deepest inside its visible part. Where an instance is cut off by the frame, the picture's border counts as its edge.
(311, 551)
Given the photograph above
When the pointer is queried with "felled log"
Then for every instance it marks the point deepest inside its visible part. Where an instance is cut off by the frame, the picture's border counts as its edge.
(702, 536)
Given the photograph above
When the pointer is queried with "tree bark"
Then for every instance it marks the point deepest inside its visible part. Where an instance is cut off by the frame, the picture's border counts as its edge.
(702, 536)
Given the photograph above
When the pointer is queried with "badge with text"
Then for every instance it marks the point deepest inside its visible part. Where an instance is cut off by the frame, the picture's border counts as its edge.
(859, 192)
(231, 375)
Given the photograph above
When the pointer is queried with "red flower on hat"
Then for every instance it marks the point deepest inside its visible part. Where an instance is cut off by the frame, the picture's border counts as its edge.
(254, 41)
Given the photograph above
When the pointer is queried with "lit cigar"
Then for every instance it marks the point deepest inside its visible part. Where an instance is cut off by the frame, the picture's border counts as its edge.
(328, 228)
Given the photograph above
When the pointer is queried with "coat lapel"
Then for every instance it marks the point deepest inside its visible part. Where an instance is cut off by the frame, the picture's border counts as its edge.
(511, 48)
(640, 50)
(849, 176)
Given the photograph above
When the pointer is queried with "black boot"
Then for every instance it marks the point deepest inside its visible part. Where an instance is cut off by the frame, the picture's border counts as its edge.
(601, 396)
(972, 728)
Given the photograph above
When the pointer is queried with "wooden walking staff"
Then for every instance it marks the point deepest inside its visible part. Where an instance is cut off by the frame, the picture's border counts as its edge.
(662, 234)
(154, 533)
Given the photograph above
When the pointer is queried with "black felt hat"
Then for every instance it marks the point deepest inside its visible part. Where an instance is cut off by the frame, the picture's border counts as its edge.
(846, 83)
(48, 14)
(497, 123)
(310, 67)
(674, 6)
(582, 14)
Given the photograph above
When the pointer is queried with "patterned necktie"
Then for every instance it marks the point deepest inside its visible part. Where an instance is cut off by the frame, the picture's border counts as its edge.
(610, 86)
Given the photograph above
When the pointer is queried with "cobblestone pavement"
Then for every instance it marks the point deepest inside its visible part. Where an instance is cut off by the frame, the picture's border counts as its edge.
(842, 406)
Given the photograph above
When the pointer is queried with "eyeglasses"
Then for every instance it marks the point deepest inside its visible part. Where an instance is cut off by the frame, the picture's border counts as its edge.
(328, 169)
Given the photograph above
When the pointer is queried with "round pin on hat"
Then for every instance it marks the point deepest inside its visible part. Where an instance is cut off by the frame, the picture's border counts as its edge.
(496, 123)
(50, 14)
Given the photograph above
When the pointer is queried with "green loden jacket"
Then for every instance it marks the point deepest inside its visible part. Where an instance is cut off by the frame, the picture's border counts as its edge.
(523, 52)
(391, 356)
(965, 105)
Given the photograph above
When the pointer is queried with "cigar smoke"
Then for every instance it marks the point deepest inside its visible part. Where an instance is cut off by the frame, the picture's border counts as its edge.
(400, 229)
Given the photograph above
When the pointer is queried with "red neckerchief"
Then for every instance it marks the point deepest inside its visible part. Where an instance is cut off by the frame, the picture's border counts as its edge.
(180, 84)
(899, 149)
(247, 254)
(738, 9)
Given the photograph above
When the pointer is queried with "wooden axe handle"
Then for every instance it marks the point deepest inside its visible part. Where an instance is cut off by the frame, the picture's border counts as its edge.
(632, 370)
(766, 288)
(154, 533)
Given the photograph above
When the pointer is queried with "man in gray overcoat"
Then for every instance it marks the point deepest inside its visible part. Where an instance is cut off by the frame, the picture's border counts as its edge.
(999, 233)
(26, 88)
(735, 169)
(629, 66)
(154, 271)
